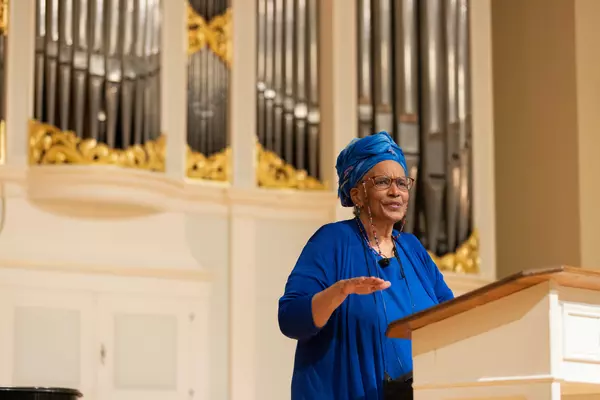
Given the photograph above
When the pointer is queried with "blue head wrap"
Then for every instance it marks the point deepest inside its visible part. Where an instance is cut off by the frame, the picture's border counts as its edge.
(360, 156)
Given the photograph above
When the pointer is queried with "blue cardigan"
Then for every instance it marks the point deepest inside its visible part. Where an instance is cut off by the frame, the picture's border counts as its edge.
(347, 358)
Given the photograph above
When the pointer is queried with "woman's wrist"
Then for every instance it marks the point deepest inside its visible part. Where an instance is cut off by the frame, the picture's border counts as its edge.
(338, 293)
(326, 302)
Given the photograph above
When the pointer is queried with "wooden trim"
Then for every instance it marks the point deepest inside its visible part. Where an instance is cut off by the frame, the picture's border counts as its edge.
(564, 276)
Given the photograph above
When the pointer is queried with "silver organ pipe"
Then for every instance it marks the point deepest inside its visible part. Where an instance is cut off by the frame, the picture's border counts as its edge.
(288, 112)
(419, 49)
(97, 66)
(208, 86)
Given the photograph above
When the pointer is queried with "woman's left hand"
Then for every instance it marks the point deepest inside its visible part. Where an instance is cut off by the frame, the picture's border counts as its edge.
(325, 302)
(362, 285)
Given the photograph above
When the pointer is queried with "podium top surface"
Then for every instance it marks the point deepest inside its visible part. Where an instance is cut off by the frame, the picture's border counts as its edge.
(565, 276)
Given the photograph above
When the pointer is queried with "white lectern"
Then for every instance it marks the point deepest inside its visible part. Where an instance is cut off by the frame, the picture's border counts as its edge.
(533, 335)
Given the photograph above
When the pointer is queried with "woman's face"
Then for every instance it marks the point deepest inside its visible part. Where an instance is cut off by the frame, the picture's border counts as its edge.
(387, 192)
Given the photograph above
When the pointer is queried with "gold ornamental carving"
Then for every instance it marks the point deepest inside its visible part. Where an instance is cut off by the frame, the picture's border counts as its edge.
(214, 168)
(273, 172)
(464, 260)
(3, 17)
(49, 145)
(220, 39)
(215, 34)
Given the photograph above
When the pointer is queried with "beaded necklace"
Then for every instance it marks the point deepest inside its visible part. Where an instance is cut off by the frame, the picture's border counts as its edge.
(360, 226)
(376, 238)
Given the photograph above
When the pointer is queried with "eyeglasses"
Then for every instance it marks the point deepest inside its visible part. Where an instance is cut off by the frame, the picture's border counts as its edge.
(383, 182)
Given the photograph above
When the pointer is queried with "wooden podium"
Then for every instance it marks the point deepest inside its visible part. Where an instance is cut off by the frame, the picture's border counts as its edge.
(533, 335)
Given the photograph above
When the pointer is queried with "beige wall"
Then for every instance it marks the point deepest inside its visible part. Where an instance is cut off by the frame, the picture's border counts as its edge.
(587, 34)
(546, 82)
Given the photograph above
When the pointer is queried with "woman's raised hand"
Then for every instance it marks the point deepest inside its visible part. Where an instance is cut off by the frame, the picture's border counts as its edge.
(325, 302)
(363, 285)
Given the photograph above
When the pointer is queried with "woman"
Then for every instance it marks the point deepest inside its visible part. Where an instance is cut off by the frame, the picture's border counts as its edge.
(355, 277)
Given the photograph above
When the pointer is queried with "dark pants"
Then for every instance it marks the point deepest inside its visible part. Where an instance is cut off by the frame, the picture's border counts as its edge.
(398, 389)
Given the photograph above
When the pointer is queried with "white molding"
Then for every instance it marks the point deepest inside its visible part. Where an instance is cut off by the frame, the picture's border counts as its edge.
(484, 201)
(64, 188)
(12, 174)
(19, 80)
(556, 329)
(242, 93)
(282, 198)
(242, 307)
(199, 275)
(98, 282)
(265, 213)
(125, 188)
(573, 335)
(174, 80)
(504, 381)
(459, 283)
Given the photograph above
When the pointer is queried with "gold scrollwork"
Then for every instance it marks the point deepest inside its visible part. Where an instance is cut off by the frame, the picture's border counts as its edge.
(464, 260)
(220, 39)
(215, 34)
(50, 145)
(197, 31)
(273, 172)
(3, 17)
(215, 167)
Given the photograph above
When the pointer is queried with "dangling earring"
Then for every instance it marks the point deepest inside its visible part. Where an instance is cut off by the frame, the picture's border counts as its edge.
(356, 210)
